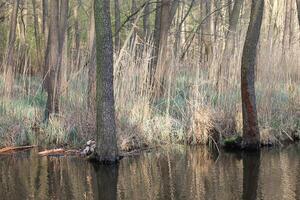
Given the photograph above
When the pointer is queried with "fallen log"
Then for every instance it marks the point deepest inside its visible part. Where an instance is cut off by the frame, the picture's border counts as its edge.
(52, 152)
(13, 149)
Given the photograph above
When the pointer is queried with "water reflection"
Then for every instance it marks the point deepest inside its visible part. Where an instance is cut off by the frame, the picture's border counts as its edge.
(251, 163)
(105, 181)
(178, 173)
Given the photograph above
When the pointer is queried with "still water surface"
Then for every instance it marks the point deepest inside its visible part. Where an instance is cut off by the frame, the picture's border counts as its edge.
(180, 173)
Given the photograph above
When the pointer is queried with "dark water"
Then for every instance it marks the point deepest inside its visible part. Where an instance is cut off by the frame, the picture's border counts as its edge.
(180, 173)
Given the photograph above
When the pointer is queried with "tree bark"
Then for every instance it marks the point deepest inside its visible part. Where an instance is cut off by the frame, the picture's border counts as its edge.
(251, 136)
(106, 150)
(117, 25)
(9, 62)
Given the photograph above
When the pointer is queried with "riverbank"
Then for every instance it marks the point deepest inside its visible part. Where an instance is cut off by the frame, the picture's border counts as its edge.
(190, 109)
(176, 120)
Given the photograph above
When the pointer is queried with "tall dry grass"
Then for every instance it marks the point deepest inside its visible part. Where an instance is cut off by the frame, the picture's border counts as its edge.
(190, 109)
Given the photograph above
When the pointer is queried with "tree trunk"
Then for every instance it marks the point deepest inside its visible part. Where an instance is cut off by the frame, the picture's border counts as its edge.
(56, 38)
(9, 62)
(106, 150)
(92, 64)
(298, 10)
(117, 25)
(229, 44)
(165, 12)
(146, 24)
(36, 34)
(251, 137)
(45, 16)
(53, 61)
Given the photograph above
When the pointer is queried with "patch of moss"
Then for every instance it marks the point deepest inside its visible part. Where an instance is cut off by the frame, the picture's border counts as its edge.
(233, 142)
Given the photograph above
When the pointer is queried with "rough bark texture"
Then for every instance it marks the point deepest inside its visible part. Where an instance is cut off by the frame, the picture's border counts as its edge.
(251, 137)
(9, 62)
(106, 150)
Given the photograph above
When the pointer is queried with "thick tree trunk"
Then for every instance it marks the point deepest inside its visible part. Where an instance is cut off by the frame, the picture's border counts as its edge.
(251, 137)
(106, 150)
(117, 25)
(9, 62)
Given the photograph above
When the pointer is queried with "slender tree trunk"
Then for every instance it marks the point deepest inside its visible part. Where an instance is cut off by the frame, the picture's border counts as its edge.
(106, 150)
(285, 38)
(36, 34)
(229, 44)
(56, 38)
(92, 64)
(53, 46)
(251, 136)
(76, 38)
(9, 62)
(45, 16)
(298, 10)
(117, 26)
(146, 25)
(165, 13)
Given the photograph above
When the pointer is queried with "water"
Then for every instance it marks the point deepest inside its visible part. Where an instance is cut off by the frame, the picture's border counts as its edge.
(179, 173)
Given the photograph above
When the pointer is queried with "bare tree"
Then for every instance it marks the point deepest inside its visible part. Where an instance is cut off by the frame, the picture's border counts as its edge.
(36, 33)
(106, 150)
(251, 136)
(165, 12)
(9, 61)
(53, 57)
(230, 38)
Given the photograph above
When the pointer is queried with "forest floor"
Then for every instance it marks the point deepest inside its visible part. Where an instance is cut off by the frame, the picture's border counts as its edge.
(141, 125)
